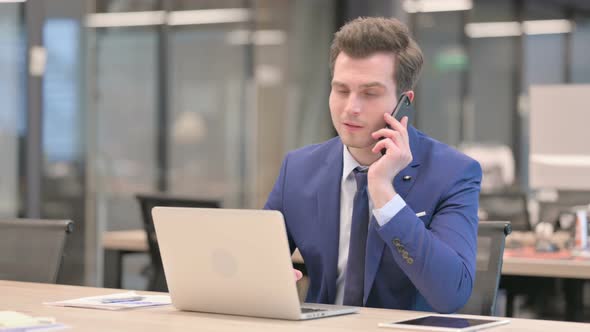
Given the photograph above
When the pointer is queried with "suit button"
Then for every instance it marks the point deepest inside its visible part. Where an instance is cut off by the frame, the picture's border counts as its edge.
(396, 242)
(410, 260)
(405, 254)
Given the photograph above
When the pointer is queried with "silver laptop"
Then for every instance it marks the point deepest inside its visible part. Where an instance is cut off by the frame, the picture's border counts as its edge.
(232, 262)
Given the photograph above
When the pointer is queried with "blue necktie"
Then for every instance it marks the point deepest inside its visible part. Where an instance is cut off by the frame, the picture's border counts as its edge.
(355, 268)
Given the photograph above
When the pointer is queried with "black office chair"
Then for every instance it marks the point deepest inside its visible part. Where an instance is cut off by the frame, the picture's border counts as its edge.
(511, 206)
(157, 279)
(32, 249)
(491, 237)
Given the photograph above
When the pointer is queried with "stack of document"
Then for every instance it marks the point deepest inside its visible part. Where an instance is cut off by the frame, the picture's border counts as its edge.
(118, 301)
(12, 321)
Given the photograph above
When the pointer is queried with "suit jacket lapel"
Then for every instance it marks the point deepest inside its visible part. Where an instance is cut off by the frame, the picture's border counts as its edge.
(375, 244)
(329, 215)
(405, 180)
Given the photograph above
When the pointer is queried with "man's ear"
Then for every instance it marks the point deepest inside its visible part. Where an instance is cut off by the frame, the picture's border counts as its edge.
(410, 94)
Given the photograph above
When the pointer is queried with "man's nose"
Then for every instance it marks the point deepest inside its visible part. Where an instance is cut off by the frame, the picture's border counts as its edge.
(353, 104)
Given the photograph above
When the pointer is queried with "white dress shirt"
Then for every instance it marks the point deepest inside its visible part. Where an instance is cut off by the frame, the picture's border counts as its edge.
(347, 192)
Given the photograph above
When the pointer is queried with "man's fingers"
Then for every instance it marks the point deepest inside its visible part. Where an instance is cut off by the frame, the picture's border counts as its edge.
(397, 125)
(385, 144)
(404, 122)
(388, 133)
(298, 274)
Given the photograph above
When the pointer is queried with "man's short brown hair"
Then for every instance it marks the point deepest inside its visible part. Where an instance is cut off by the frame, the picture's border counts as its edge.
(366, 36)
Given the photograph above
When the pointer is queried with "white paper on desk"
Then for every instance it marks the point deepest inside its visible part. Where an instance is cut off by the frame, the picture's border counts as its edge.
(12, 321)
(95, 302)
(35, 328)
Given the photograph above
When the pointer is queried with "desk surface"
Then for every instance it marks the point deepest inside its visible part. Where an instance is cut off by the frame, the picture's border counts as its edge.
(131, 240)
(28, 298)
(135, 240)
(543, 267)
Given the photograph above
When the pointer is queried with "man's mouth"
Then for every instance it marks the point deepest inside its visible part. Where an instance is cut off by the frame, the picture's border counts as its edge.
(352, 125)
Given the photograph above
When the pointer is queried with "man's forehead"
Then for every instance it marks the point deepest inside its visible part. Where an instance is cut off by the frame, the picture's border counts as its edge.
(375, 69)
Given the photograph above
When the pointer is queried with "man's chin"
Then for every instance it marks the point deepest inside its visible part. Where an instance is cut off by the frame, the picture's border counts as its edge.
(356, 144)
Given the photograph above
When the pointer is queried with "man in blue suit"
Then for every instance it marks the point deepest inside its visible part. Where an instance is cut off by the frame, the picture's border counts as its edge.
(397, 230)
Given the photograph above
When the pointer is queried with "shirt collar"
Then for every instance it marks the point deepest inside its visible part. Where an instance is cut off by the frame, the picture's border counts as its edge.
(348, 163)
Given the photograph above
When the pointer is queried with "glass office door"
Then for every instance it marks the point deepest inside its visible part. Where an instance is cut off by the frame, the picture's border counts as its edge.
(168, 101)
(165, 98)
(210, 109)
(12, 95)
(124, 112)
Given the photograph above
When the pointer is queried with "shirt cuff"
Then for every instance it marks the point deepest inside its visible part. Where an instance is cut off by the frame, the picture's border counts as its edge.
(389, 210)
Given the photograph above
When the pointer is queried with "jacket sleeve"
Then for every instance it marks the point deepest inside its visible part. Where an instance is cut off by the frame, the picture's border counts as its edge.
(275, 199)
(440, 259)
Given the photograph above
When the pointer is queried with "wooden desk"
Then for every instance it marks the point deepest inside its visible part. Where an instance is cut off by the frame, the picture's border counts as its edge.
(543, 267)
(131, 240)
(28, 298)
(573, 271)
(116, 245)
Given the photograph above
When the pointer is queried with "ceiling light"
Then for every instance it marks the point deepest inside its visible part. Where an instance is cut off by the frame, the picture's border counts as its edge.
(209, 16)
(183, 17)
(493, 29)
(543, 27)
(125, 19)
(428, 6)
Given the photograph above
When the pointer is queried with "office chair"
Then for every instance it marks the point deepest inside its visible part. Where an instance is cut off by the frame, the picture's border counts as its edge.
(511, 206)
(491, 238)
(157, 279)
(32, 249)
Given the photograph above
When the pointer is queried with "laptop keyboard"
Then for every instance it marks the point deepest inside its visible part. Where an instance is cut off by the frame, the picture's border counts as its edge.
(306, 310)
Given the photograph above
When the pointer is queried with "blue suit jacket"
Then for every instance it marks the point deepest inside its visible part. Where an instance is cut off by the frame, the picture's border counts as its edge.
(415, 263)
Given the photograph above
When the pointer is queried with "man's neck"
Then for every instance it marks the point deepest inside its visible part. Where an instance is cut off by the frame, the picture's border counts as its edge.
(365, 156)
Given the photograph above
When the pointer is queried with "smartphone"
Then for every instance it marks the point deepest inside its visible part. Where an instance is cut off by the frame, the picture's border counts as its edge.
(403, 108)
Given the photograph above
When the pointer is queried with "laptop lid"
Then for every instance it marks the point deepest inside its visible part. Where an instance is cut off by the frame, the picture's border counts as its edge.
(227, 261)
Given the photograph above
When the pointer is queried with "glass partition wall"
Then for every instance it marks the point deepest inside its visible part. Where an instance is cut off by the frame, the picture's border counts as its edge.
(12, 83)
(198, 99)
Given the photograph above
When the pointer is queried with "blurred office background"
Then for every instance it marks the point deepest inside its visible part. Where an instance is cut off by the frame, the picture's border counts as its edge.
(104, 99)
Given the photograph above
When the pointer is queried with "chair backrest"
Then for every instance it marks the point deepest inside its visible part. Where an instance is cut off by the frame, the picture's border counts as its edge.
(491, 237)
(511, 206)
(147, 202)
(32, 249)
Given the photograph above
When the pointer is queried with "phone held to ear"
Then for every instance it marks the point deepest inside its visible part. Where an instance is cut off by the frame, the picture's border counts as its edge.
(403, 108)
